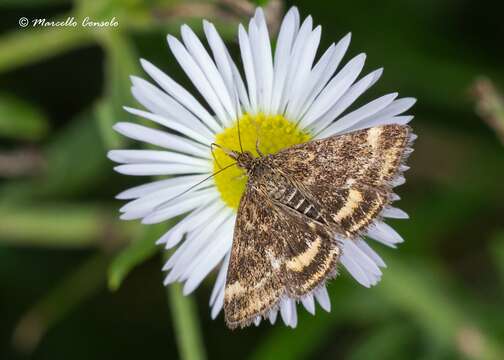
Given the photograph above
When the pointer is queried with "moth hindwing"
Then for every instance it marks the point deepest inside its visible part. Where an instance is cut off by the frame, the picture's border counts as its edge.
(296, 204)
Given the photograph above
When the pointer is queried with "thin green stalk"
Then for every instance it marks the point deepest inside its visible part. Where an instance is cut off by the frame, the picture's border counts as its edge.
(60, 225)
(186, 324)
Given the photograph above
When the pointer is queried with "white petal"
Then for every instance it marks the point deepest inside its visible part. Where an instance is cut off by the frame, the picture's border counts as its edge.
(398, 181)
(217, 306)
(395, 213)
(207, 66)
(191, 222)
(219, 52)
(355, 116)
(197, 77)
(297, 20)
(257, 321)
(307, 93)
(155, 156)
(264, 69)
(198, 133)
(151, 169)
(240, 87)
(137, 212)
(286, 36)
(142, 190)
(151, 201)
(309, 303)
(161, 138)
(226, 66)
(181, 95)
(371, 253)
(345, 101)
(399, 106)
(188, 203)
(295, 55)
(373, 272)
(380, 121)
(335, 89)
(273, 316)
(322, 297)
(384, 233)
(394, 197)
(299, 87)
(388, 115)
(293, 320)
(221, 279)
(286, 310)
(355, 270)
(163, 104)
(248, 66)
(207, 260)
(194, 242)
(322, 73)
(209, 241)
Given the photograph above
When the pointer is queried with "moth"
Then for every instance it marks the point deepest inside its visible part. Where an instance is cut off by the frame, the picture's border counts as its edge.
(297, 204)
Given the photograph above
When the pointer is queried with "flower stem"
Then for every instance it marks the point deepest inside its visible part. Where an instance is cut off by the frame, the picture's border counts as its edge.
(186, 324)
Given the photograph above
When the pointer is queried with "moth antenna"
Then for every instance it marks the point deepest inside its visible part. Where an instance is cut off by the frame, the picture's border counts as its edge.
(230, 153)
(239, 115)
(193, 186)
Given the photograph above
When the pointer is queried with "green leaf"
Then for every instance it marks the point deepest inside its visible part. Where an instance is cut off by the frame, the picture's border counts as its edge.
(59, 225)
(136, 253)
(21, 120)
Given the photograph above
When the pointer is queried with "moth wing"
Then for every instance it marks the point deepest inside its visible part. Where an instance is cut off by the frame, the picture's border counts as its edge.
(275, 252)
(253, 284)
(311, 252)
(350, 175)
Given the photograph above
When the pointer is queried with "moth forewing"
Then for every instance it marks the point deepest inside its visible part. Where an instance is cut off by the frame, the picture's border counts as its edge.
(296, 204)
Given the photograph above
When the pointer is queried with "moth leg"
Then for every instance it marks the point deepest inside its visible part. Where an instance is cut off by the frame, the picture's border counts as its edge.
(212, 145)
(257, 148)
(257, 140)
(240, 177)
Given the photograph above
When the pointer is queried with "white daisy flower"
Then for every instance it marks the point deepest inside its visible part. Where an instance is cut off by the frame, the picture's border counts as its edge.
(285, 98)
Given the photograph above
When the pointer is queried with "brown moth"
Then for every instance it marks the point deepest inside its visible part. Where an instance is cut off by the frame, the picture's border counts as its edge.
(297, 203)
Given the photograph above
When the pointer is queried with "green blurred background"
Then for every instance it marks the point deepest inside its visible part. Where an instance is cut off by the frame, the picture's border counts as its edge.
(76, 283)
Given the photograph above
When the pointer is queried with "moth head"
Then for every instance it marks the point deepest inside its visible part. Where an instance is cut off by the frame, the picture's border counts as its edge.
(244, 160)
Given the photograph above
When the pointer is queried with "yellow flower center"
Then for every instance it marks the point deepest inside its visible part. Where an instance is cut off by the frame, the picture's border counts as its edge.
(274, 132)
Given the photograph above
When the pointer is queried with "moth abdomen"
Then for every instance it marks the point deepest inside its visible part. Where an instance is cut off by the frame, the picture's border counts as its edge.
(296, 200)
